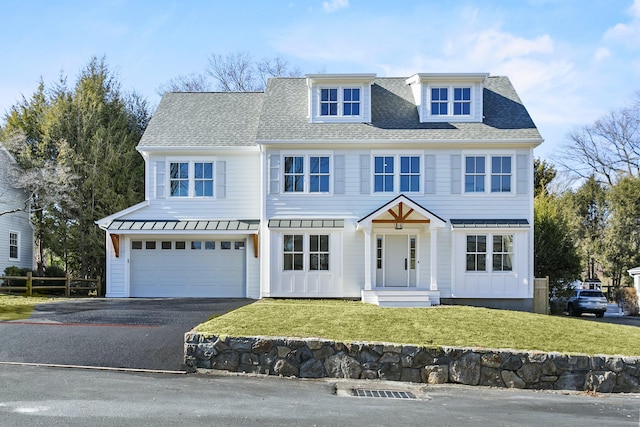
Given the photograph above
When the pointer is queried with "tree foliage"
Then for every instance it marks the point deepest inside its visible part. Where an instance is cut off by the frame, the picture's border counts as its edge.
(591, 213)
(543, 174)
(556, 255)
(76, 152)
(621, 249)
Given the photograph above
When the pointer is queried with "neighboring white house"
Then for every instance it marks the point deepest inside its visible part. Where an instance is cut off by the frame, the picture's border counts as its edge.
(16, 232)
(399, 191)
(635, 273)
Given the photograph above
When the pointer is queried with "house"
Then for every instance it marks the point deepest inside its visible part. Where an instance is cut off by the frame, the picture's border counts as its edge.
(398, 191)
(635, 273)
(16, 231)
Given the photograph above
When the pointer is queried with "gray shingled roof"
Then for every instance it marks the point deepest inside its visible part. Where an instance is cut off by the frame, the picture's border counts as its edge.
(204, 120)
(394, 115)
(280, 114)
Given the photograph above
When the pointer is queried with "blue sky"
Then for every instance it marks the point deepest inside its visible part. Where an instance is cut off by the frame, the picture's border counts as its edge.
(571, 61)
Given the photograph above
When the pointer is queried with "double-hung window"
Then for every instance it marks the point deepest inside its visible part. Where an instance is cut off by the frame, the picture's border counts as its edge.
(191, 179)
(503, 252)
(396, 173)
(14, 245)
(500, 252)
(461, 101)
(439, 101)
(450, 101)
(294, 174)
(329, 102)
(351, 102)
(318, 174)
(203, 179)
(319, 252)
(179, 179)
(500, 174)
(474, 174)
(477, 253)
(478, 180)
(340, 101)
(310, 174)
(383, 175)
(410, 173)
(305, 252)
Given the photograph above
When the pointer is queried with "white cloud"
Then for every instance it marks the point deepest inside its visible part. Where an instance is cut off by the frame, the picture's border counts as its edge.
(602, 54)
(627, 33)
(333, 5)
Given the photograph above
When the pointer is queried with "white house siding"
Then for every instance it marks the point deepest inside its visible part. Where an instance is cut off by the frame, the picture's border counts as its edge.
(242, 191)
(239, 202)
(17, 222)
(117, 269)
(354, 205)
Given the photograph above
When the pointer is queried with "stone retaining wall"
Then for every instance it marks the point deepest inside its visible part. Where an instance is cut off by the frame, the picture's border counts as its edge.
(316, 358)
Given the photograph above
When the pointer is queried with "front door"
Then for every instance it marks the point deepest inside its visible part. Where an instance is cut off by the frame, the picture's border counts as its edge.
(400, 260)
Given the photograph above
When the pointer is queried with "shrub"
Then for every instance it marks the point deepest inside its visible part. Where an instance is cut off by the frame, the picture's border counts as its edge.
(15, 271)
(628, 298)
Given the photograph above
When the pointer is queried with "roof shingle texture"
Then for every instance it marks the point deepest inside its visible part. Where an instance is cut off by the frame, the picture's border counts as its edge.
(220, 119)
(394, 115)
(230, 119)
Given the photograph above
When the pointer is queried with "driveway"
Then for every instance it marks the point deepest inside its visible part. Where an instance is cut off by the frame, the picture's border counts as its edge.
(118, 333)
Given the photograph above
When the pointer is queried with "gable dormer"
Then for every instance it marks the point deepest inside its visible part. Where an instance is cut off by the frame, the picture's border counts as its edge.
(339, 98)
(442, 97)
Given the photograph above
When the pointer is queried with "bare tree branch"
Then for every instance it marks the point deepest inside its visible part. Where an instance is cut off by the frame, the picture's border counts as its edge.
(610, 148)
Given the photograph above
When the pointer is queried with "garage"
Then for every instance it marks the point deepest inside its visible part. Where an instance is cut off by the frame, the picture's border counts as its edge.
(197, 266)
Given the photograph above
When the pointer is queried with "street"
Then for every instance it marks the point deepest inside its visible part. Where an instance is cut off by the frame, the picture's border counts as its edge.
(43, 396)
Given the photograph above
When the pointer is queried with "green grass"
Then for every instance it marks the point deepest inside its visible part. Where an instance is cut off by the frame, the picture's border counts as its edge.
(13, 307)
(458, 326)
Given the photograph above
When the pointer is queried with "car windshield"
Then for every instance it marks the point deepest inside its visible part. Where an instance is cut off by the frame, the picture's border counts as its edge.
(593, 294)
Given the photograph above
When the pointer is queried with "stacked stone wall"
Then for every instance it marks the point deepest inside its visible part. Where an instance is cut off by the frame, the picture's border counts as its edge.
(316, 358)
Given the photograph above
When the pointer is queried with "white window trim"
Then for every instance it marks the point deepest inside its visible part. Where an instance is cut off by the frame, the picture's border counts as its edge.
(18, 237)
(191, 177)
(488, 173)
(489, 253)
(396, 171)
(306, 155)
(450, 101)
(340, 116)
(306, 251)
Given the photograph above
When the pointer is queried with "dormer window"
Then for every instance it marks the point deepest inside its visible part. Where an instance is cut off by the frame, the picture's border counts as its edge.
(443, 105)
(340, 101)
(444, 97)
(339, 98)
(461, 101)
(351, 102)
(439, 101)
(329, 102)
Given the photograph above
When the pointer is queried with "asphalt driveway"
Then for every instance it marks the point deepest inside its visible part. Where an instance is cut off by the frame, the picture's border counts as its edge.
(118, 333)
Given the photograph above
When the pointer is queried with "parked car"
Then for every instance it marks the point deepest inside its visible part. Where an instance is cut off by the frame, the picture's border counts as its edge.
(587, 301)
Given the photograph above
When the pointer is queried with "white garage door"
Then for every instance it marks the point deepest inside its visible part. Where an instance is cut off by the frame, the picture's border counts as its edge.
(187, 268)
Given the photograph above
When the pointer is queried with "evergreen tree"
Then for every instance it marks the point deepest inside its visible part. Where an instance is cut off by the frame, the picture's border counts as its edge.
(89, 132)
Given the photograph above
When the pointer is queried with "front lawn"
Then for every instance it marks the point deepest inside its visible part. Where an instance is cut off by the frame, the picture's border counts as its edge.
(14, 307)
(458, 326)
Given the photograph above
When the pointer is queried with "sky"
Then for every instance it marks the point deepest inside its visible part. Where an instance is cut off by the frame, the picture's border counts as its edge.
(571, 61)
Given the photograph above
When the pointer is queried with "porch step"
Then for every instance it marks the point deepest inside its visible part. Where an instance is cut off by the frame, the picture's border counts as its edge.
(398, 298)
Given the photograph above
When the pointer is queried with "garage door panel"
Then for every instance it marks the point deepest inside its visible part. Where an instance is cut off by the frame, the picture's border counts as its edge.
(188, 272)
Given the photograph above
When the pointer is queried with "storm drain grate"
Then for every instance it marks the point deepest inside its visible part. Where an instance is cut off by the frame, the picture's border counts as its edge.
(387, 394)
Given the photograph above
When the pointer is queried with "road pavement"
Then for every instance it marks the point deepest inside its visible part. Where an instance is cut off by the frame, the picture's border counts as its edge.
(40, 396)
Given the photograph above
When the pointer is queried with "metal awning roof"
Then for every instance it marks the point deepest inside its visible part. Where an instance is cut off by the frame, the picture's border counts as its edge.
(306, 223)
(177, 225)
(489, 223)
